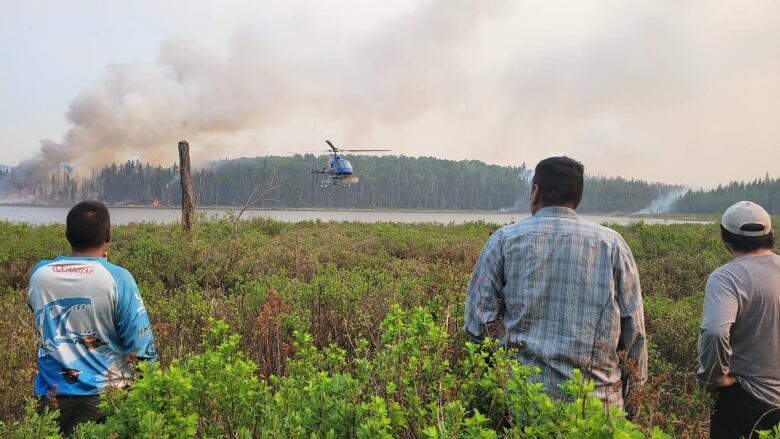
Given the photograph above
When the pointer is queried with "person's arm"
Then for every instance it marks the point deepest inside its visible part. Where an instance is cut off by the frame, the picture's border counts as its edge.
(720, 311)
(484, 306)
(632, 319)
(132, 321)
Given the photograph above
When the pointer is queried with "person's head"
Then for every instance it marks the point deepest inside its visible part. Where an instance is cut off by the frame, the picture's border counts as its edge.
(746, 228)
(558, 181)
(88, 227)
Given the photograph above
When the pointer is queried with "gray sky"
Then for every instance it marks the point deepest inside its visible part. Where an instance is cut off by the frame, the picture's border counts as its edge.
(678, 91)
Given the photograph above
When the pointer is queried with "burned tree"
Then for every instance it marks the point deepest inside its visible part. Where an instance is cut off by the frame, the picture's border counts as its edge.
(187, 204)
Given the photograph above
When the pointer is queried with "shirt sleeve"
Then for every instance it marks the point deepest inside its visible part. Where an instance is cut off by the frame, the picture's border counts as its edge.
(484, 306)
(632, 316)
(31, 283)
(132, 320)
(720, 311)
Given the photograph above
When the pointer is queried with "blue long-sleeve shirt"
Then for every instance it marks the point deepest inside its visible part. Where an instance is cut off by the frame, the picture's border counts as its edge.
(567, 294)
(90, 320)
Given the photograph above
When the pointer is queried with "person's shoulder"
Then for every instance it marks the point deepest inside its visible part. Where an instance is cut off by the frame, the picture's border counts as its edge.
(522, 227)
(120, 274)
(744, 267)
(37, 267)
(729, 272)
(603, 232)
(41, 264)
(570, 226)
(612, 234)
(734, 266)
(720, 271)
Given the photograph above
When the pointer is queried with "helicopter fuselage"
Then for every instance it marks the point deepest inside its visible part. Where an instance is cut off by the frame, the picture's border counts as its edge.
(337, 166)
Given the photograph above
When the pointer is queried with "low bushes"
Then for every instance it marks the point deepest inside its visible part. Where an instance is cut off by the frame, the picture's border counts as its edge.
(338, 282)
(406, 388)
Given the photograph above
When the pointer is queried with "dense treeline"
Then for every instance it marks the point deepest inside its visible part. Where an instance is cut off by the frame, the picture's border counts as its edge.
(765, 192)
(387, 182)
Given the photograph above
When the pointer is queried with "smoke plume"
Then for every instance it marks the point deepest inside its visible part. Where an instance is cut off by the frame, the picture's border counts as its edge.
(664, 203)
(220, 99)
(682, 92)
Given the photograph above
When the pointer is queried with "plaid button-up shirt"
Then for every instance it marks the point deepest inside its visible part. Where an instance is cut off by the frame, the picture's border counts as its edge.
(565, 293)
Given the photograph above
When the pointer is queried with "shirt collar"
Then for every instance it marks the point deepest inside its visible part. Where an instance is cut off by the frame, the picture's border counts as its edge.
(556, 211)
(79, 258)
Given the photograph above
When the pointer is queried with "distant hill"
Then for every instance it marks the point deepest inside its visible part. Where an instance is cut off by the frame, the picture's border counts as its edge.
(386, 182)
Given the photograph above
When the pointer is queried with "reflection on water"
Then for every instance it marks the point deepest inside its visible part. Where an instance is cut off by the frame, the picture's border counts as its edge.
(125, 215)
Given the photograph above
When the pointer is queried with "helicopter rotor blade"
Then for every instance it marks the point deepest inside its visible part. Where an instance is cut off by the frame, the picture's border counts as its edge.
(365, 150)
(331, 146)
(306, 152)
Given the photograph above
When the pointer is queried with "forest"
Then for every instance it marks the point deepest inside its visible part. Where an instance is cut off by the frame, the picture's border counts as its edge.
(387, 182)
(765, 192)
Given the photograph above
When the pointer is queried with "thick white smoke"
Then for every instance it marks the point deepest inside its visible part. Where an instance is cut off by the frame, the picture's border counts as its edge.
(682, 92)
(664, 203)
(265, 77)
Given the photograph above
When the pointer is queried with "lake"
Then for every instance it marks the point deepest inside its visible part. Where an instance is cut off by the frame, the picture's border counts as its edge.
(126, 215)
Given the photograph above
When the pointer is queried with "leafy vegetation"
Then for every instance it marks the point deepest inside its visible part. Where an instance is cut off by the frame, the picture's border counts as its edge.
(347, 330)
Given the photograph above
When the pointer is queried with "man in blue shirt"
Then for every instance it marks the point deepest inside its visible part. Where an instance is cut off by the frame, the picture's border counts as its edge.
(90, 320)
(562, 291)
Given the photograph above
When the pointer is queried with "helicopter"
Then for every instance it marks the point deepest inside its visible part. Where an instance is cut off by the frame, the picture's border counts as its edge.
(338, 170)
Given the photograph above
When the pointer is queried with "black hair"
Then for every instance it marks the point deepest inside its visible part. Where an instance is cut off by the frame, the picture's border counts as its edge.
(87, 225)
(747, 244)
(560, 181)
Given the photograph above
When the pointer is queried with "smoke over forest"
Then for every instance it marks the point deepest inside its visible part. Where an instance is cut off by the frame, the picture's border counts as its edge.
(385, 182)
(635, 89)
(213, 97)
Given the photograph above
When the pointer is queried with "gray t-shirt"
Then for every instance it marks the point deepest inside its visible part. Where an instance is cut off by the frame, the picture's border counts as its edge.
(740, 330)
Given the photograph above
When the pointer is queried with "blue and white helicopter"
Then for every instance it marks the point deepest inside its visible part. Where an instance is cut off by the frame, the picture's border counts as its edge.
(338, 170)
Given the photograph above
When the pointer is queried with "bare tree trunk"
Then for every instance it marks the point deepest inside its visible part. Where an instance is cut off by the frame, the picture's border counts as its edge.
(187, 205)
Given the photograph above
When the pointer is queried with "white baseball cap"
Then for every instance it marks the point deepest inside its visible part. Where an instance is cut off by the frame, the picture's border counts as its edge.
(747, 219)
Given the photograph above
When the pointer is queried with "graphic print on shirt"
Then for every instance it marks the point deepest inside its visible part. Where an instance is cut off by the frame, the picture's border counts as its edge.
(65, 321)
(71, 376)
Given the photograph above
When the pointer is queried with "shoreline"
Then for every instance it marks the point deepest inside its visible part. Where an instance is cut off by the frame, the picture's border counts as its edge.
(661, 216)
(53, 214)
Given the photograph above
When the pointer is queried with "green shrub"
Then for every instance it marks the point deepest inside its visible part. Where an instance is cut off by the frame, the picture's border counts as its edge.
(33, 425)
(337, 282)
(405, 389)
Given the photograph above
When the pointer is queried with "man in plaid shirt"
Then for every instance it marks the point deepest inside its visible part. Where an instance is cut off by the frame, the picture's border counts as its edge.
(562, 291)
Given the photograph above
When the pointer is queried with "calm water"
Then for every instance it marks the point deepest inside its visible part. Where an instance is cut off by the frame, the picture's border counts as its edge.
(125, 215)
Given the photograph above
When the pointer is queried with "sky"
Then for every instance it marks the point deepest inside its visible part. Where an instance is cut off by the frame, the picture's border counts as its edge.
(684, 92)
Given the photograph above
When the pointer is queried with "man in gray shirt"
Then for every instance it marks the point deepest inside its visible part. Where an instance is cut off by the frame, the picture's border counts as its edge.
(739, 345)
